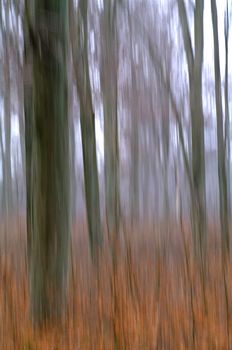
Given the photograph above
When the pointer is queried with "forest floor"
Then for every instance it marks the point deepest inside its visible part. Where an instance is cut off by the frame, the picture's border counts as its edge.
(152, 298)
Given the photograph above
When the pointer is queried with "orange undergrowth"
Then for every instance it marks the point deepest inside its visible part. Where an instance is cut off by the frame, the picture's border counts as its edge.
(152, 298)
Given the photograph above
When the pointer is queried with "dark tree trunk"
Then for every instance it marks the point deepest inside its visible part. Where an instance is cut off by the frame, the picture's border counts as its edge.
(195, 61)
(109, 85)
(227, 113)
(47, 158)
(79, 39)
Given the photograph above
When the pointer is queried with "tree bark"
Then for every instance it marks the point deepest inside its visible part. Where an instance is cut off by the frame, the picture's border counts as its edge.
(194, 62)
(3, 173)
(134, 136)
(87, 118)
(134, 151)
(109, 80)
(227, 114)
(47, 135)
(222, 179)
(8, 196)
(28, 116)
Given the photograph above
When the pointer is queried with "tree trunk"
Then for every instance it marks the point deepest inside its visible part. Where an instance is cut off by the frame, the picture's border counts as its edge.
(134, 150)
(198, 167)
(47, 132)
(195, 61)
(227, 114)
(134, 136)
(109, 80)
(222, 180)
(21, 121)
(28, 117)
(20, 92)
(87, 118)
(3, 173)
(165, 150)
(7, 118)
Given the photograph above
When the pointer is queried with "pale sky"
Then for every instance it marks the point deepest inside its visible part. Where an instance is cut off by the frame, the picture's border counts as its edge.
(208, 35)
(208, 63)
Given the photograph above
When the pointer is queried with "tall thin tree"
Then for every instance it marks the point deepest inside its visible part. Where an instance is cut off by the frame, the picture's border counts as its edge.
(79, 40)
(134, 137)
(7, 173)
(194, 62)
(222, 179)
(227, 113)
(109, 85)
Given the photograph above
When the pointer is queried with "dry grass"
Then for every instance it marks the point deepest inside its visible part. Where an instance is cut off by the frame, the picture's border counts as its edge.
(153, 298)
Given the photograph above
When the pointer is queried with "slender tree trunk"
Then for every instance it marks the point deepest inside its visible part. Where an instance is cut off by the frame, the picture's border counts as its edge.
(91, 179)
(72, 138)
(195, 61)
(109, 80)
(227, 114)
(87, 118)
(7, 118)
(20, 92)
(21, 121)
(134, 152)
(222, 180)
(7, 129)
(134, 136)
(198, 169)
(165, 147)
(198, 140)
(73, 168)
(28, 115)
(3, 173)
(155, 169)
(47, 132)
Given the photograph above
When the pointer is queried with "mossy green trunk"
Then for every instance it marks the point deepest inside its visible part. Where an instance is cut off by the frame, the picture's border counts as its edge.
(47, 158)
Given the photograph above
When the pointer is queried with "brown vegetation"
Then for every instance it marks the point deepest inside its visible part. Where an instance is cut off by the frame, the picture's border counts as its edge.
(152, 298)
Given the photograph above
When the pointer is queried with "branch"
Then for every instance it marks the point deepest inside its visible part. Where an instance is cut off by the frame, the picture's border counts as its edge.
(186, 34)
(166, 83)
